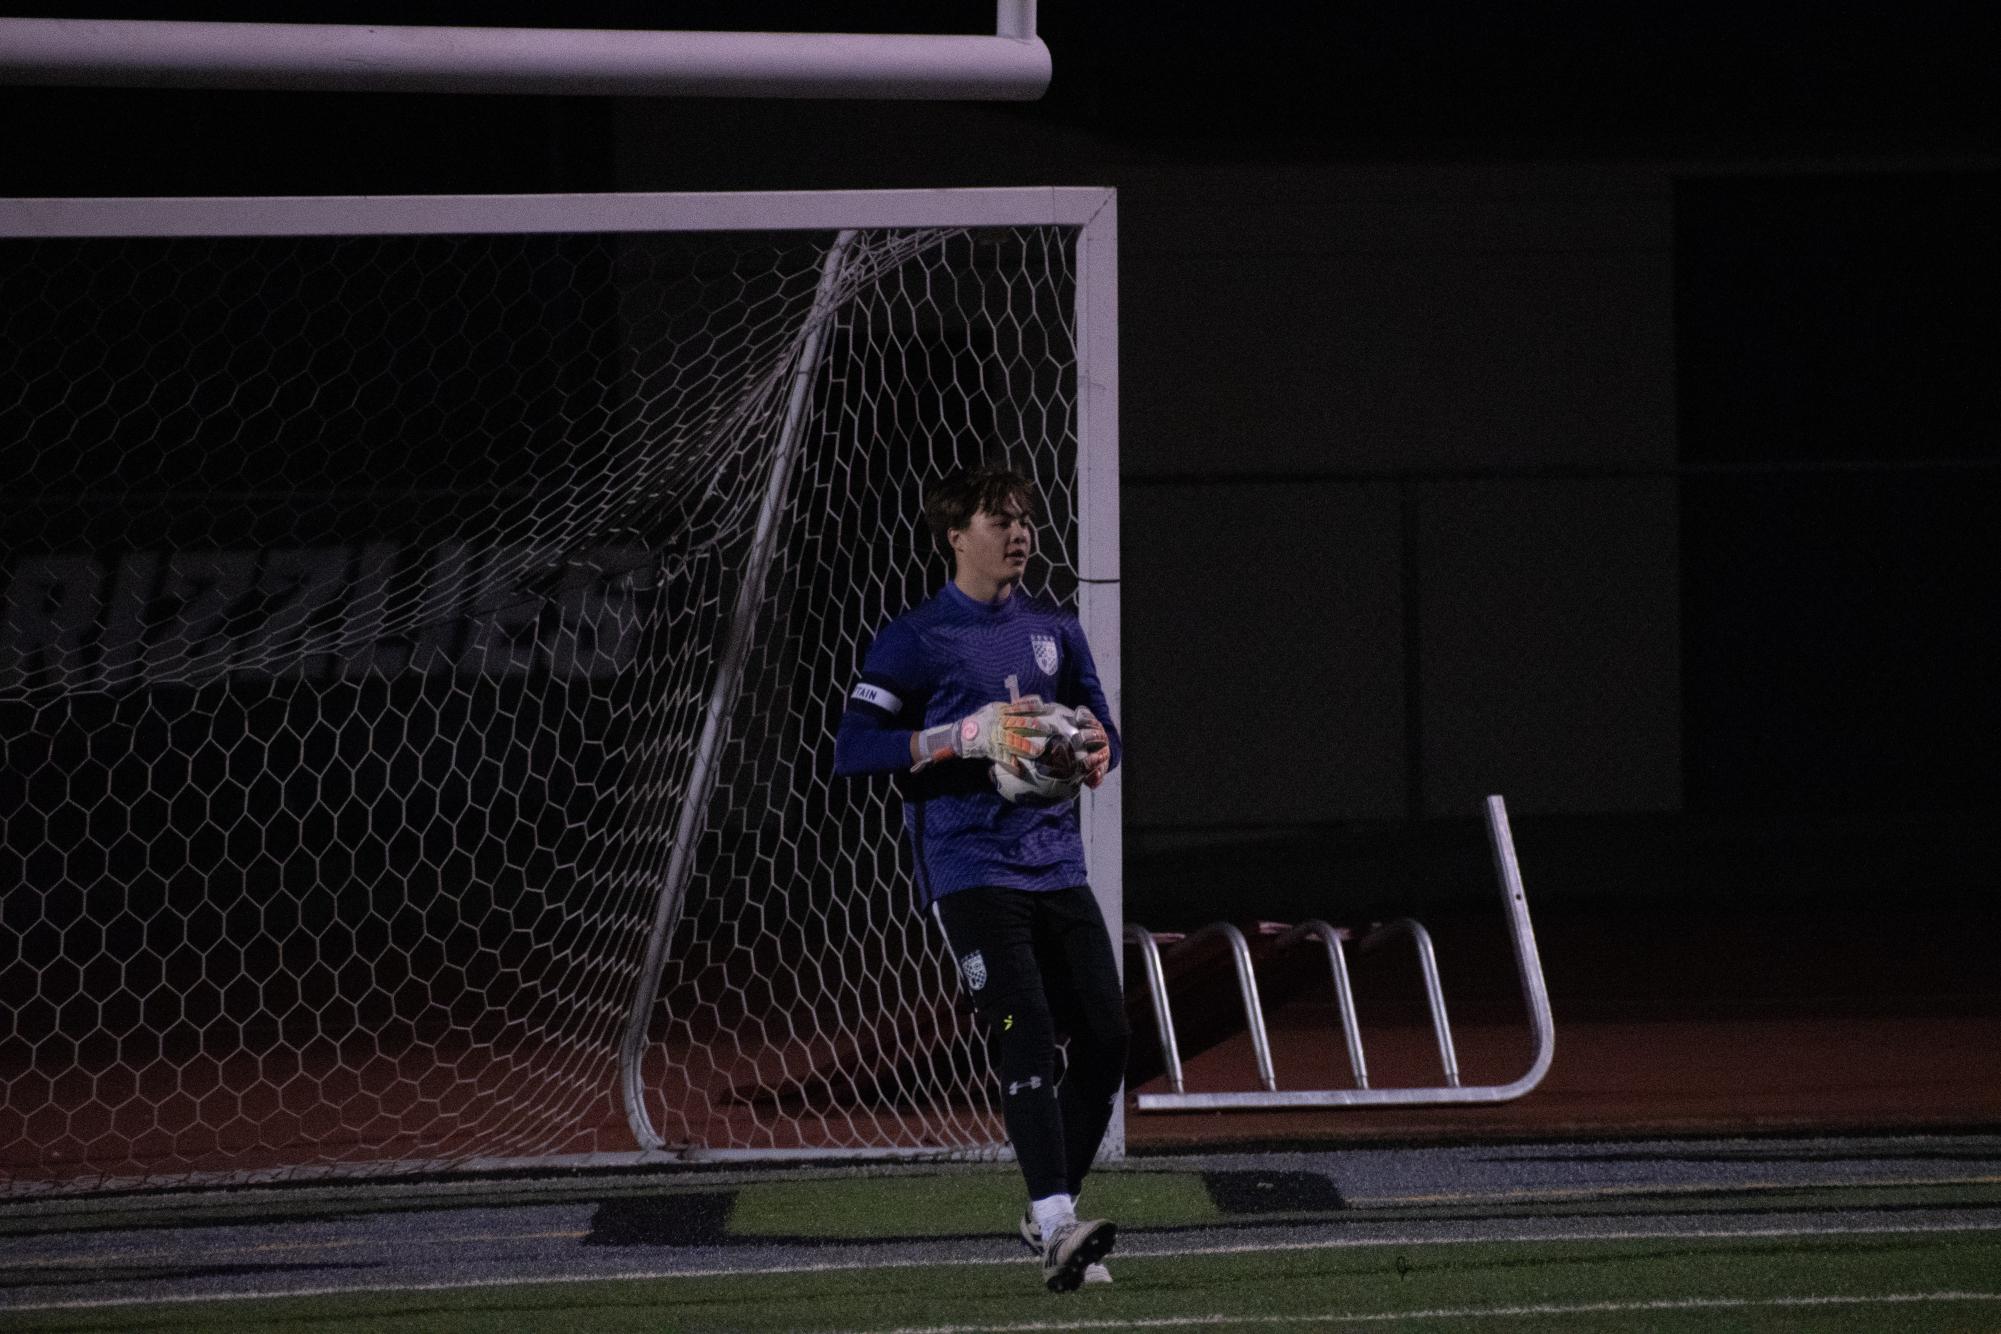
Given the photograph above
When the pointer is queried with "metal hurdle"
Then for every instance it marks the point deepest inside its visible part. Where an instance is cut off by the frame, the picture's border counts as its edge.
(1528, 966)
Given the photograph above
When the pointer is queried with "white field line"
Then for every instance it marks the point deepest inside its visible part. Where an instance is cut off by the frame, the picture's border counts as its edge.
(1623, 1189)
(878, 1262)
(1458, 1313)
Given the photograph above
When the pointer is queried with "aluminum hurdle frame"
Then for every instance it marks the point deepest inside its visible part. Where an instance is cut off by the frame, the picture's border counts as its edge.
(1528, 965)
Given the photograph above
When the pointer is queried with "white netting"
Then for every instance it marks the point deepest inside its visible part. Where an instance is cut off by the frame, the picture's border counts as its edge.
(364, 598)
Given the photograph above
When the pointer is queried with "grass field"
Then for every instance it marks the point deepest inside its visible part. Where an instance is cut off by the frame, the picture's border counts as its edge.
(1873, 1282)
(920, 1251)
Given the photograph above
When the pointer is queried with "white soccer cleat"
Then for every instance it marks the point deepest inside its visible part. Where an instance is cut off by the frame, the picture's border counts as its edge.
(1072, 1249)
(1031, 1237)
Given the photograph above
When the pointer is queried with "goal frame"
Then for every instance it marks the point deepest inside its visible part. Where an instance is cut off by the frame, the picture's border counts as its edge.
(1092, 211)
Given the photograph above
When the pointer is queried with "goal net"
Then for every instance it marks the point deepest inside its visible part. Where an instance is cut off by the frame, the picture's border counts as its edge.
(426, 624)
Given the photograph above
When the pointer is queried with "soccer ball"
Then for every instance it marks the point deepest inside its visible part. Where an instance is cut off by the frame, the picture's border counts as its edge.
(1053, 776)
(1035, 784)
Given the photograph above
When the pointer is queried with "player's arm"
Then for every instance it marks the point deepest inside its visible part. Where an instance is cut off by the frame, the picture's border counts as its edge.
(1002, 730)
(881, 729)
(878, 731)
(873, 738)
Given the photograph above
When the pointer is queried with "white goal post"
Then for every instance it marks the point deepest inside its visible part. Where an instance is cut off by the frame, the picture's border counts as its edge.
(425, 620)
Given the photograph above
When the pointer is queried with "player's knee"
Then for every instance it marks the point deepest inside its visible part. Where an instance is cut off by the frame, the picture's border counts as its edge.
(1106, 1034)
(1022, 1017)
(1115, 1046)
(1024, 1035)
(1098, 1055)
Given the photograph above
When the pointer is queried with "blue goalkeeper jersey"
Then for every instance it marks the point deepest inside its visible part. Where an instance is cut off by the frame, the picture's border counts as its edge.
(947, 658)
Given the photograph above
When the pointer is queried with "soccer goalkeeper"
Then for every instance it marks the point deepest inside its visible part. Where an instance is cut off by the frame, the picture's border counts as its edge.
(938, 704)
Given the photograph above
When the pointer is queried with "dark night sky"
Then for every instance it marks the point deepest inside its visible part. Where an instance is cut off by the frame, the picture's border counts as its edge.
(1430, 76)
(1797, 114)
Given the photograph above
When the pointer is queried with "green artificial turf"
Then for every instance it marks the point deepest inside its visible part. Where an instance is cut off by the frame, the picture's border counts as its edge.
(969, 1205)
(1837, 1283)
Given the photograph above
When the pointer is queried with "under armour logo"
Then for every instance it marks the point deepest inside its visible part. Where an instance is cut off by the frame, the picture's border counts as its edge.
(1032, 1082)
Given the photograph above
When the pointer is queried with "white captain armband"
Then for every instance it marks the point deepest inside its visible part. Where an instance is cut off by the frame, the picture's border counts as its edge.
(879, 697)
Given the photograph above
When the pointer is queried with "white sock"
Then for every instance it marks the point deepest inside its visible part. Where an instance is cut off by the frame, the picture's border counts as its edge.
(1053, 1211)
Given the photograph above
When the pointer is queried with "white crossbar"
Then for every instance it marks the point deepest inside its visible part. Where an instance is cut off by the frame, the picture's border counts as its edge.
(1011, 65)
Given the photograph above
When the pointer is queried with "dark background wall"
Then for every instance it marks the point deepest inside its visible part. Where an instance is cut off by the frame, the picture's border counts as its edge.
(1590, 404)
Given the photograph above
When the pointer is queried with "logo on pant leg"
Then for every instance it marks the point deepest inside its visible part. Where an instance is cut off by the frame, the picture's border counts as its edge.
(974, 966)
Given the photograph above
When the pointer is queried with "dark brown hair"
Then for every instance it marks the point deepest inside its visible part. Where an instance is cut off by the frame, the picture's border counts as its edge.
(953, 502)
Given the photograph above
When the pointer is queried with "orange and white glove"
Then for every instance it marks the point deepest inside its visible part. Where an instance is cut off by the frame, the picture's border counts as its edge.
(1004, 730)
(1093, 745)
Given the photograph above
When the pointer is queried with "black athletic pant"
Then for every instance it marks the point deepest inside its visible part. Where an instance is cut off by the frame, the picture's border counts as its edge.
(1036, 964)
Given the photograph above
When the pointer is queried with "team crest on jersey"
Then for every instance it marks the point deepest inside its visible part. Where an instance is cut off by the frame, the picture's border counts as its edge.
(1045, 653)
(974, 966)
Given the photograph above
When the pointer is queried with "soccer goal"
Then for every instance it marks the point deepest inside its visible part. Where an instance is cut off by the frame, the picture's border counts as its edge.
(426, 622)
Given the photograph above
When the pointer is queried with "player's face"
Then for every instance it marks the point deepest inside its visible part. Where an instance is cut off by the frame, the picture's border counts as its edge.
(996, 545)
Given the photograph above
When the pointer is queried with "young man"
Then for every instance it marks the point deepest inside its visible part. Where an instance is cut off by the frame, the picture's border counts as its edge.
(936, 704)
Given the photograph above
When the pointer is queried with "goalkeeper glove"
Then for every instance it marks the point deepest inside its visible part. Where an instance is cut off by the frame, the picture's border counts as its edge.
(1093, 745)
(1002, 730)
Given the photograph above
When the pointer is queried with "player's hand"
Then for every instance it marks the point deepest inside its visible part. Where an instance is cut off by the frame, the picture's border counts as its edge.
(1093, 745)
(1003, 730)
